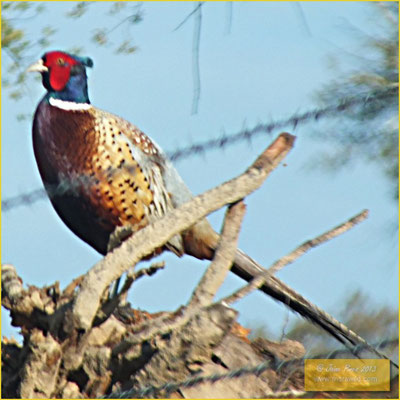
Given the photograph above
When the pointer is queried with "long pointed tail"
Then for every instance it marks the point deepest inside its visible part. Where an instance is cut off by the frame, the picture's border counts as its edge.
(246, 268)
(200, 242)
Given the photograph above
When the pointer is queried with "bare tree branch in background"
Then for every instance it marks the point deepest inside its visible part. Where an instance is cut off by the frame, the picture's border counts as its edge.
(300, 11)
(196, 14)
(196, 60)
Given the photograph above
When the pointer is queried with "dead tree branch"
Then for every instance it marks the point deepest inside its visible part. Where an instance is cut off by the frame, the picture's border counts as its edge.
(266, 276)
(222, 262)
(208, 285)
(78, 345)
(154, 236)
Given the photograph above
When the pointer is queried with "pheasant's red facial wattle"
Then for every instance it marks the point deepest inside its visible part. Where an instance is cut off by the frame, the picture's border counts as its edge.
(59, 77)
(59, 65)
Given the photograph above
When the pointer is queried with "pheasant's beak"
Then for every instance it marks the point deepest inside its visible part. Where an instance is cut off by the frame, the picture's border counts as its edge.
(38, 66)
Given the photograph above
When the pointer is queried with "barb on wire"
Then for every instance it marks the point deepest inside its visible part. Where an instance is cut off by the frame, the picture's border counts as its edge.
(361, 347)
(227, 140)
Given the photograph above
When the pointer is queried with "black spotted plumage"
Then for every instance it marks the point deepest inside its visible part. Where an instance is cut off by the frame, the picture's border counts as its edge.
(113, 170)
(101, 173)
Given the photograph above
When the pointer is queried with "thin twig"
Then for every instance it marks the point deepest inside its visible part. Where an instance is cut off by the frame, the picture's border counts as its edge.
(309, 244)
(299, 8)
(188, 16)
(294, 255)
(118, 298)
(72, 286)
(135, 275)
(196, 59)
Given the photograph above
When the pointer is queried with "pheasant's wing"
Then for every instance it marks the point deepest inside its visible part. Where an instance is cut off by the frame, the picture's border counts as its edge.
(131, 171)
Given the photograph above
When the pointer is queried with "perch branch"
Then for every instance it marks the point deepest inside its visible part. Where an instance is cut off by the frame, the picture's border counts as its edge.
(154, 236)
(208, 285)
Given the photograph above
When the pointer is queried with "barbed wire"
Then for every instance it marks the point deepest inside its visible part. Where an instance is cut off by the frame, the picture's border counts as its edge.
(23, 199)
(166, 389)
(170, 387)
(294, 120)
(361, 347)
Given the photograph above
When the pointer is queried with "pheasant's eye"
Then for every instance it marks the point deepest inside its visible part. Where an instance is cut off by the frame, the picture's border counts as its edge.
(60, 61)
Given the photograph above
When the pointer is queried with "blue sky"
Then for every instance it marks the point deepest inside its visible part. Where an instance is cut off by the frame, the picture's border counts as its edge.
(267, 67)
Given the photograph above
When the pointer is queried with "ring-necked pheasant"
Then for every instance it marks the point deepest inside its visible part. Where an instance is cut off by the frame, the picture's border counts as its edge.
(102, 172)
